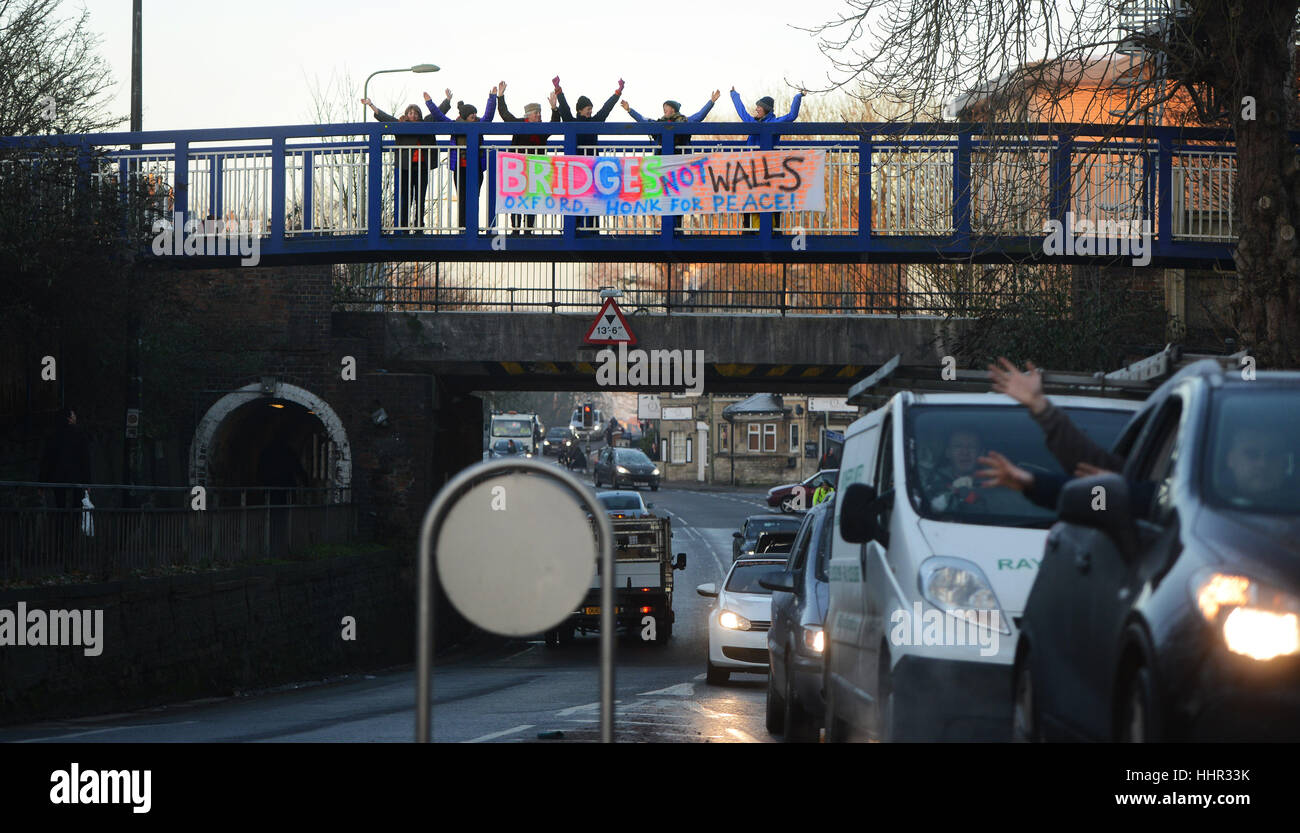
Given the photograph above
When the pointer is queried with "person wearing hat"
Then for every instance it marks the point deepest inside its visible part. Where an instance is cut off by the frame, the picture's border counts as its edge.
(467, 112)
(763, 112)
(413, 159)
(673, 112)
(586, 141)
(526, 142)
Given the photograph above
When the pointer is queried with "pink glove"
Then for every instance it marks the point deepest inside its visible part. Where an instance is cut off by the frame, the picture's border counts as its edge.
(555, 82)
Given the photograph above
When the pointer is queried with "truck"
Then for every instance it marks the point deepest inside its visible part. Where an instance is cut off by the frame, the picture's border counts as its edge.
(643, 584)
(586, 421)
(524, 429)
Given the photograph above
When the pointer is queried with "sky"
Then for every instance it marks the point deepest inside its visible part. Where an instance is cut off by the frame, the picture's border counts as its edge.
(244, 63)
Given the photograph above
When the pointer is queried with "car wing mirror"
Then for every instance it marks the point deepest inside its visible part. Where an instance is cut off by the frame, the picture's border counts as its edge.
(709, 589)
(679, 563)
(737, 535)
(858, 514)
(781, 581)
(1102, 502)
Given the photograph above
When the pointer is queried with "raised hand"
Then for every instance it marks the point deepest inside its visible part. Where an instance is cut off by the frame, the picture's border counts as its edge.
(366, 102)
(501, 88)
(555, 82)
(716, 95)
(428, 97)
(554, 99)
(493, 91)
(999, 471)
(733, 89)
(447, 93)
(625, 106)
(1026, 388)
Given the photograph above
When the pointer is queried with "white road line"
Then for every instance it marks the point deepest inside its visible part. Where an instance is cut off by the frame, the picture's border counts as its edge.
(521, 653)
(102, 731)
(701, 676)
(679, 690)
(500, 734)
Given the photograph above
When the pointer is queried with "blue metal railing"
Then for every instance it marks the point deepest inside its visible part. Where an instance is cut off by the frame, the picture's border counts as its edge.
(936, 192)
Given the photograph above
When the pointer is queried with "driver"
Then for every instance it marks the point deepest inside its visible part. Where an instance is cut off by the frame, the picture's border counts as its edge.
(1256, 464)
(952, 485)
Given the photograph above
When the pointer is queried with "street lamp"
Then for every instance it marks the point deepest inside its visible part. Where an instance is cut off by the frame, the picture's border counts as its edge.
(365, 89)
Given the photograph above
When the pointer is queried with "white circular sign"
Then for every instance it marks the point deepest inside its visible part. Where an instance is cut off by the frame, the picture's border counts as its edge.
(516, 553)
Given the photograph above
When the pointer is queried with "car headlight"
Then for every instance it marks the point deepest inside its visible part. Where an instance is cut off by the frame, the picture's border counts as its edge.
(621, 470)
(814, 639)
(959, 587)
(1257, 621)
(733, 621)
(656, 471)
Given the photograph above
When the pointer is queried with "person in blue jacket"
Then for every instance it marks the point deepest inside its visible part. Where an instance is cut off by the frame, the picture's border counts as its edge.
(673, 112)
(467, 112)
(583, 113)
(413, 159)
(762, 112)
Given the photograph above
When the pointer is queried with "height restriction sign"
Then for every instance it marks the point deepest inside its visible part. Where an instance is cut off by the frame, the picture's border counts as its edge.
(610, 326)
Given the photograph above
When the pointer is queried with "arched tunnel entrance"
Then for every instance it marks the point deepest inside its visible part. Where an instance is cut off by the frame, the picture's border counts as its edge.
(278, 436)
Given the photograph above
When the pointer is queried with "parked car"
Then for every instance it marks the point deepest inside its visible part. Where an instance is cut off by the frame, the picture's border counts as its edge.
(619, 466)
(623, 504)
(558, 438)
(795, 497)
(1175, 613)
(739, 619)
(923, 549)
(743, 541)
(796, 640)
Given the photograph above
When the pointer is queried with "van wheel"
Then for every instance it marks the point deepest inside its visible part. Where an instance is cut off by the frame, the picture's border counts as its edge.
(1024, 719)
(799, 725)
(775, 706)
(1137, 711)
(715, 675)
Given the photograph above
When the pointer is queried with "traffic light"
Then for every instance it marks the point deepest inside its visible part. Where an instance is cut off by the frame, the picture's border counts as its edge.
(586, 416)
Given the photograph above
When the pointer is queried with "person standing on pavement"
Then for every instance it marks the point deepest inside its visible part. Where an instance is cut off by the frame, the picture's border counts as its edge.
(67, 460)
(526, 142)
(411, 163)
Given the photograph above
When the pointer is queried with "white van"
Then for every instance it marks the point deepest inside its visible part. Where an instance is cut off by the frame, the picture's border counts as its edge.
(922, 622)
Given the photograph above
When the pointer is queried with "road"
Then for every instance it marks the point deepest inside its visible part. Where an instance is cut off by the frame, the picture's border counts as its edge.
(510, 693)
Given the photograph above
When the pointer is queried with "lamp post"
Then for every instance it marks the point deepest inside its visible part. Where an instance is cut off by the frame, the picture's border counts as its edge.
(365, 89)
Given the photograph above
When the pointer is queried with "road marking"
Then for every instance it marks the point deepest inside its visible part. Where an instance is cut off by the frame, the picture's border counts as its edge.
(102, 731)
(500, 734)
(583, 708)
(680, 690)
(701, 676)
(524, 651)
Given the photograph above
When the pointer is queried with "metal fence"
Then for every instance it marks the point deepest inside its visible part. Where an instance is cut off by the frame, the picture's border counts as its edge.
(147, 529)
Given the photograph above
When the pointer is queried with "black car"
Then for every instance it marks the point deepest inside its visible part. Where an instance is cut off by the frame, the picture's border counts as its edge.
(508, 448)
(1167, 603)
(557, 439)
(742, 542)
(624, 467)
(795, 641)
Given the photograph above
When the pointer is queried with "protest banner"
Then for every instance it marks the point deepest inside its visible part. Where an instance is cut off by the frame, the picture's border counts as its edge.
(731, 182)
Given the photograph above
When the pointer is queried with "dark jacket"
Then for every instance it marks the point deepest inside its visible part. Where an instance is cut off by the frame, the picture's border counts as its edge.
(427, 157)
(600, 115)
(67, 457)
(745, 116)
(682, 140)
(458, 159)
(524, 139)
(1070, 446)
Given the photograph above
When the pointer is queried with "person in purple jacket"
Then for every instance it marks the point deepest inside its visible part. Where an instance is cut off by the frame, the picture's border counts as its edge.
(762, 112)
(467, 112)
(413, 159)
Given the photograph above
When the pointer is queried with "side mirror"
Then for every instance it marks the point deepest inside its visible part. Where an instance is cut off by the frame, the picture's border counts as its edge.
(709, 589)
(1102, 502)
(649, 506)
(781, 582)
(737, 535)
(679, 563)
(858, 522)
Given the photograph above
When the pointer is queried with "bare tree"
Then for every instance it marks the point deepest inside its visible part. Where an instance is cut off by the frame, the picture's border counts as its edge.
(1208, 62)
(52, 79)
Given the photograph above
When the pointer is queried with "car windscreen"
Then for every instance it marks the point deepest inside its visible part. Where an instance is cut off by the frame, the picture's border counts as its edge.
(512, 428)
(630, 455)
(775, 524)
(558, 434)
(503, 446)
(1251, 459)
(745, 576)
(943, 442)
(621, 502)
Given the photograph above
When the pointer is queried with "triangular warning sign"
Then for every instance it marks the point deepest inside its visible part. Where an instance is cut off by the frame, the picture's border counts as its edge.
(610, 327)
